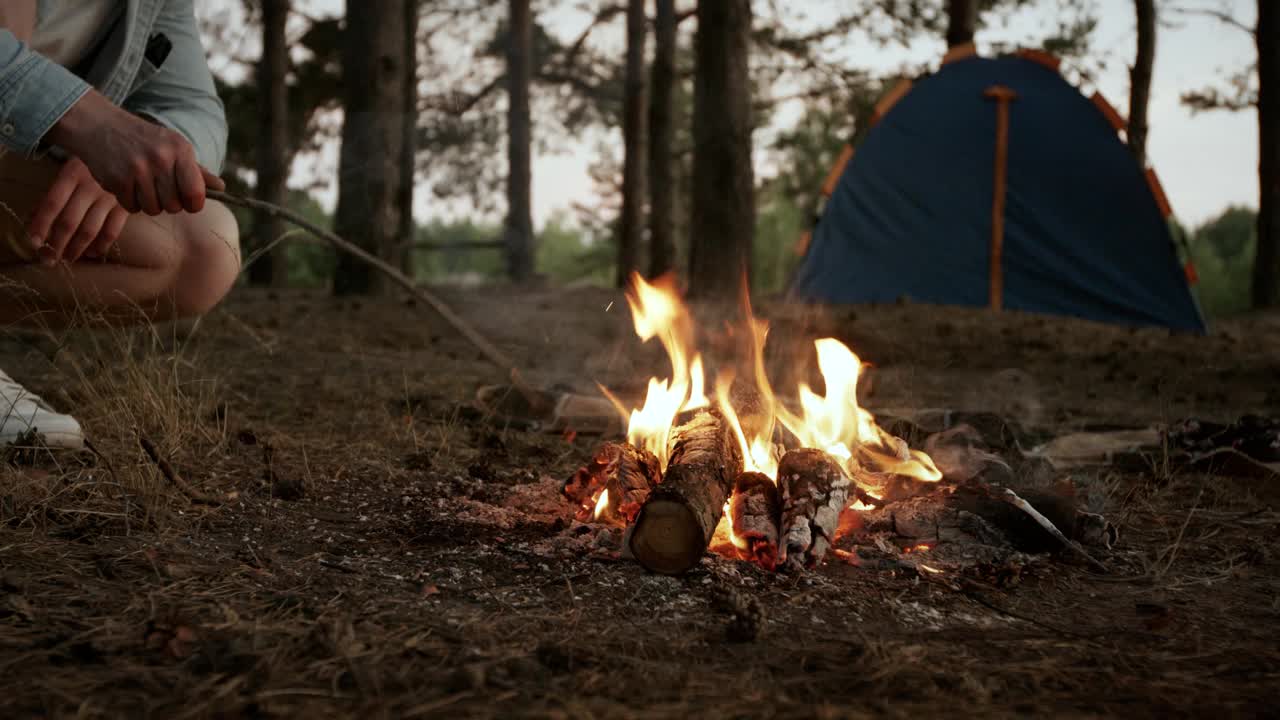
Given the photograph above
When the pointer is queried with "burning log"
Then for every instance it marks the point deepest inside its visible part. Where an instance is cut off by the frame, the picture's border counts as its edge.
(814, 491)
(627, 473)
(675, 525)
(755, 509)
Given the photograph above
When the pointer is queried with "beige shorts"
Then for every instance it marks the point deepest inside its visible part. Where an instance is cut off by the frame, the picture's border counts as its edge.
(23, 183)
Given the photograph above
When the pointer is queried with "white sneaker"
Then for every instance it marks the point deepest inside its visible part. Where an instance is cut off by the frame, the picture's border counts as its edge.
(23, 412)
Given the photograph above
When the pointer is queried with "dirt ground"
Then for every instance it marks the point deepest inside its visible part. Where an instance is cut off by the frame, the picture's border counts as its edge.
(383, 551)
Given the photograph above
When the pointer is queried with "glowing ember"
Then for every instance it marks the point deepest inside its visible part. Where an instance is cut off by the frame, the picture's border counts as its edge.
(601, 504)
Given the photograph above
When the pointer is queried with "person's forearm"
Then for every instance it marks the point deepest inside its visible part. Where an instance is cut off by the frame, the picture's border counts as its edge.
(19, 18)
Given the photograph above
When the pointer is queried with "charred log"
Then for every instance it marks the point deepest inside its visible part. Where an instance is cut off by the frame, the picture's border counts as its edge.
(814, 490)
(626, 472)
(675, 525)
(756, 508)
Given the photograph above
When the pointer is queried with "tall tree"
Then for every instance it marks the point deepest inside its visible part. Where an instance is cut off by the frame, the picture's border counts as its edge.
(370, 196)
(962, 21)
(631, 222)
(519, 224)
(1140, 79)
(1266, 268)
(409, 136)
(662, 80)
(722, 226)
(274, 151)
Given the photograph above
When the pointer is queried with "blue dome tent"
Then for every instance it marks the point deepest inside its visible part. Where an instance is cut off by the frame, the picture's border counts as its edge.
(1043, 211)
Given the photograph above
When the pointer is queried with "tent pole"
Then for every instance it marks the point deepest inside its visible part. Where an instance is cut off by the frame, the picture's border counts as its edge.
(1004, 97)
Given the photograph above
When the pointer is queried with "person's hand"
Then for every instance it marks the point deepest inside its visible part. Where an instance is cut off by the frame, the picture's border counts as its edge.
(76, 217)
(147, 166)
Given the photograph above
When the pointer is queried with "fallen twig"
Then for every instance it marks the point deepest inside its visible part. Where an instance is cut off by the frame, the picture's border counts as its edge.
(1016, 500)
(172, 475)
(481, 343)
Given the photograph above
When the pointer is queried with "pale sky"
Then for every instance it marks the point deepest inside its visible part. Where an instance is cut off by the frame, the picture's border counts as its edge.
(1206, 161)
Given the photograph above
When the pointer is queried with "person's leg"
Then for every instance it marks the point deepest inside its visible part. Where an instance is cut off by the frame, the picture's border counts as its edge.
(161, 268)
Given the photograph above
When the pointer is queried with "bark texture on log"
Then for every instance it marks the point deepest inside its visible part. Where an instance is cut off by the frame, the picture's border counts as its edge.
(675, 525)
(518, 230)
(627, 472)
(369, 177)
(274, 151)
(723, 213)
(756, 508)
(962, 21)
(662, 80)
(814, 491)
(1266, 265)
(1140, 80)
(631, 220)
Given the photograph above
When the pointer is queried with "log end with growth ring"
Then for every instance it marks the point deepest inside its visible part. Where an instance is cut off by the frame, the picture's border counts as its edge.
(675, 525)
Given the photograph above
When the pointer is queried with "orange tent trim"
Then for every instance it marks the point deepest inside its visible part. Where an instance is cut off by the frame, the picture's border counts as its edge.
(1157, 191)
(1108, 111)
(1040, 57)
(890, 99)
(959, 52)
(837, 169)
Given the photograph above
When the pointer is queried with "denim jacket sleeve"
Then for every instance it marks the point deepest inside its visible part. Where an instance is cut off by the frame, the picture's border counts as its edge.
(35, 93)
(181, 94)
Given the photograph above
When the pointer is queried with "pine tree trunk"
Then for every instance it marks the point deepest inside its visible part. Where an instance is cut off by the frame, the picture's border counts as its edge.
(274, 149)
(519, 225)
(662, 243)
(1266, 269)
(723, 214)
(1140, 80)
(962, 21)
(631, 223)
(369, 170)
(409, 142)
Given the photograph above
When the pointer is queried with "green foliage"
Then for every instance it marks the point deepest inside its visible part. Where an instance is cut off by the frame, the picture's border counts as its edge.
(568, 256)
(1223, 251)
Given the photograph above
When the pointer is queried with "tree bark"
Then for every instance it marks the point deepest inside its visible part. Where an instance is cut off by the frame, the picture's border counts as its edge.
(1266, 269)
(274, 149)
(814, 492)
(677, 521)
(409, 141)
(1140, 80)
(722, 227)
(519, 224)
(756, 508)
(631, 224)
(962, 21)
(662, 80)
(626, 472)
(369, 173)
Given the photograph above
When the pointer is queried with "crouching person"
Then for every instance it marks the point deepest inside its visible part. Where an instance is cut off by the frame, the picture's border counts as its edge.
(110, 134)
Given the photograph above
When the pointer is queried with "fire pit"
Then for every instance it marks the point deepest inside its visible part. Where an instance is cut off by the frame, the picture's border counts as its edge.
(777, 478)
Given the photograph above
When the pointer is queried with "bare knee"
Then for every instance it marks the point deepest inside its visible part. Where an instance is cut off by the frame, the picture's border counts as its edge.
(209, 262)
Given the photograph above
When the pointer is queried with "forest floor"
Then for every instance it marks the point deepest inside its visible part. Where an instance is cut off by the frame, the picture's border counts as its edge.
(382, 550)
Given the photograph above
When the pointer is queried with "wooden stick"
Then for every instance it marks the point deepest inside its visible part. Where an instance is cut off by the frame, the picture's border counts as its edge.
(1004, 97)
(677, 522)
(1015, 500)
(481, 343)
(172, 475)
(756, 509)
(626, 472)
(814, 490)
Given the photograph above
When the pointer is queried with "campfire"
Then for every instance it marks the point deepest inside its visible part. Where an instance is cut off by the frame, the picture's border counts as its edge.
(750, 470)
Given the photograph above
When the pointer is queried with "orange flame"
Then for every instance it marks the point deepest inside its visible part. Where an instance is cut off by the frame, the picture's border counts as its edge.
(833, 421)
(602, 503)
(657, 310)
